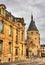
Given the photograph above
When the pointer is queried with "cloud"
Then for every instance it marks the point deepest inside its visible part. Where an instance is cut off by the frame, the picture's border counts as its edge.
(23, 8)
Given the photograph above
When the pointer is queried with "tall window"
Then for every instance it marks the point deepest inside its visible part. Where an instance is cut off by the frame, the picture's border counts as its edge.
(16, 51)
(22, 49)
(10, 30)
(9, 47)
(1, 26)
(9, 59)
(1, 45)
(26, 52)
(22, 36)
(16, 36)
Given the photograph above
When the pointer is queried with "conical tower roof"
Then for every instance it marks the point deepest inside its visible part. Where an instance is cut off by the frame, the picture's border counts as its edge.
(32, 25)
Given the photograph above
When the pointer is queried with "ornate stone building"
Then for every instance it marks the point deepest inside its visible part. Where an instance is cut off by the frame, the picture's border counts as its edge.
(12, 41)
(12, 38)
(33, 37)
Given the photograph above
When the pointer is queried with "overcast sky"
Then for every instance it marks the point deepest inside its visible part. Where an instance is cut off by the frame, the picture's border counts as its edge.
(24, 8)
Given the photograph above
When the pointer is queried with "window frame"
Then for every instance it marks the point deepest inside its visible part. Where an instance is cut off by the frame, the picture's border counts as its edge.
(16, 51)
(9, 47)
(22, 35)
(16, 36)
(2, 26)
(1, 45)
(10, 30)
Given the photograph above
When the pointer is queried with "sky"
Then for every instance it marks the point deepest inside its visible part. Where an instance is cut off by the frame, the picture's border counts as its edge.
(24, 8)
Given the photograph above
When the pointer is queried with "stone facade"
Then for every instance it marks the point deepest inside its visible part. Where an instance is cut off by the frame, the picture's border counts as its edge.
(33, 38)
(12, 36)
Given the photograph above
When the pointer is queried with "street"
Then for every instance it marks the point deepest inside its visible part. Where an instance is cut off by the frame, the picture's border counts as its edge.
(33, 61)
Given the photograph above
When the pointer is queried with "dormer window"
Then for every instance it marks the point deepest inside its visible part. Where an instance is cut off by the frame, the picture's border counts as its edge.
(12, 18)
(2, 11)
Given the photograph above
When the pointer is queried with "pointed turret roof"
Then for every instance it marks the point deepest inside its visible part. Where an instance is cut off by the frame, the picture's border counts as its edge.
(32, 25)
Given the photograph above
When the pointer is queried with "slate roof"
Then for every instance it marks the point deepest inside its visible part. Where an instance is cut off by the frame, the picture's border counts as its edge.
(32, 25)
